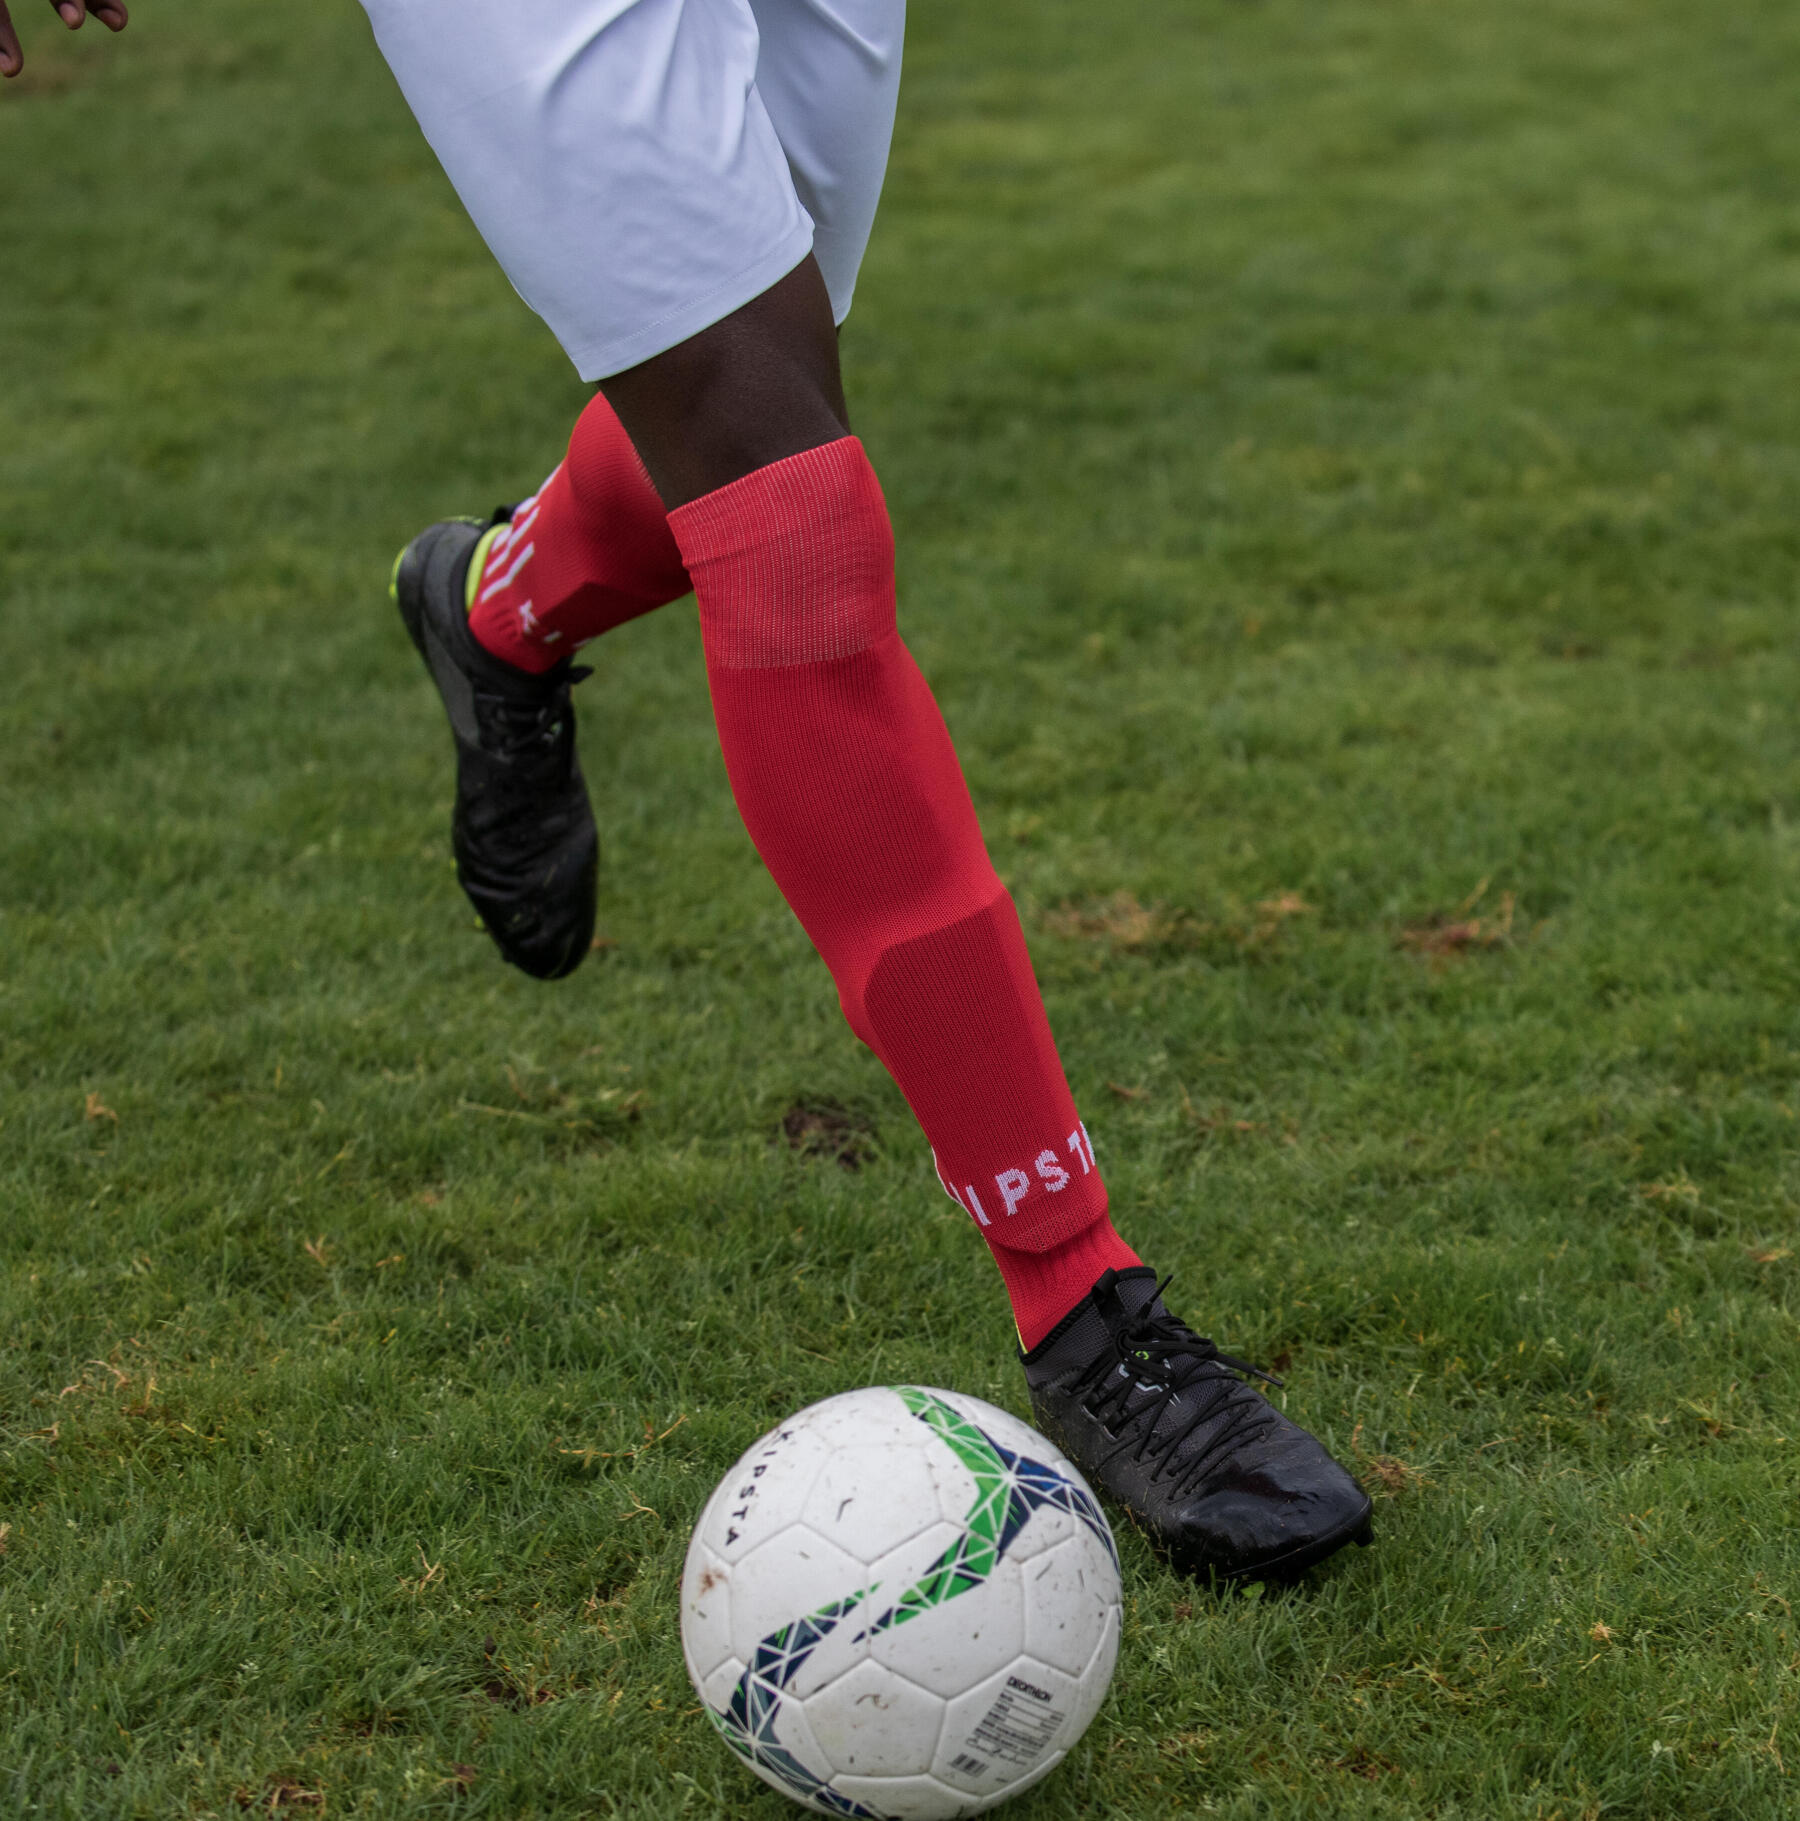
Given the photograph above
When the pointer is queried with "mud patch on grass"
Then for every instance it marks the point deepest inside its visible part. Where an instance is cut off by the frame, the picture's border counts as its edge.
(827, 1128)
(1127, 926)
(1446, 935)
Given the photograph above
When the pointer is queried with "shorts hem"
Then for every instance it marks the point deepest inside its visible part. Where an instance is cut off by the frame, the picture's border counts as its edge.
(595, 361)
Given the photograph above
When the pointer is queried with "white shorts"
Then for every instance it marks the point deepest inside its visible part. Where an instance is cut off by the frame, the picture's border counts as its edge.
(642, 168)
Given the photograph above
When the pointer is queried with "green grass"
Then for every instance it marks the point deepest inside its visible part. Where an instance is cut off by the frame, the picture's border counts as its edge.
(1347, 453)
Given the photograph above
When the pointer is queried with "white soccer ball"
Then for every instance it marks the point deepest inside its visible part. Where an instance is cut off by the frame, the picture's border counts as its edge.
(901, 1604)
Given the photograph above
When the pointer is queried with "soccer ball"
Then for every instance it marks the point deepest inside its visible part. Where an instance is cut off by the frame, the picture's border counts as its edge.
(901, 1604)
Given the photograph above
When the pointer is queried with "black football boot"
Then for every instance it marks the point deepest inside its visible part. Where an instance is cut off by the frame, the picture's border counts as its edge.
(1159, 1418)
(526, 850)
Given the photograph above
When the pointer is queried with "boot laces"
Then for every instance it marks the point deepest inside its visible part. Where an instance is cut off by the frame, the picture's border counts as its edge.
(522, 730)
(1162, 1355)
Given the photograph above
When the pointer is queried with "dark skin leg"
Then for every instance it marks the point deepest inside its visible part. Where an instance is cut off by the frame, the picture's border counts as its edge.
(753, 389)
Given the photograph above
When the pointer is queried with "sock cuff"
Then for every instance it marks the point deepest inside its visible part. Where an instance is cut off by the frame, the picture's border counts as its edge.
(800, 560)
(1044, 1286)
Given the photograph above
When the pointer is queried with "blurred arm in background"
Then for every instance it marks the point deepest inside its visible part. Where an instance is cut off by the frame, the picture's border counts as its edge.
(110, 13)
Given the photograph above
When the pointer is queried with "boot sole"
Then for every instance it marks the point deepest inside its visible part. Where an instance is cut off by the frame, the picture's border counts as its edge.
(1292, 1563)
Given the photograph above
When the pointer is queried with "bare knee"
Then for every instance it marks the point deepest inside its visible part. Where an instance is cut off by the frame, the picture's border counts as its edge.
(755, 388)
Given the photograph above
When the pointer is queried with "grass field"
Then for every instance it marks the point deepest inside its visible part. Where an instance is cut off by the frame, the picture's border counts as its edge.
(1346, 462)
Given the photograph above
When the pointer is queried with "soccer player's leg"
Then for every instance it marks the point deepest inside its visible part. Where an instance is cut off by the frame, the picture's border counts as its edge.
(628, 212)
(850, 787)
(617, 159)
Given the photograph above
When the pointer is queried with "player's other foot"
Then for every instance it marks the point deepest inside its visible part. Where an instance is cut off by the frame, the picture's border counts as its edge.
(1158, 1417)
(526, 850)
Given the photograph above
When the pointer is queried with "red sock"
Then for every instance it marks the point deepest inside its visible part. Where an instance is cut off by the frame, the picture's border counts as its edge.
(846, 778)
(589, 552)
